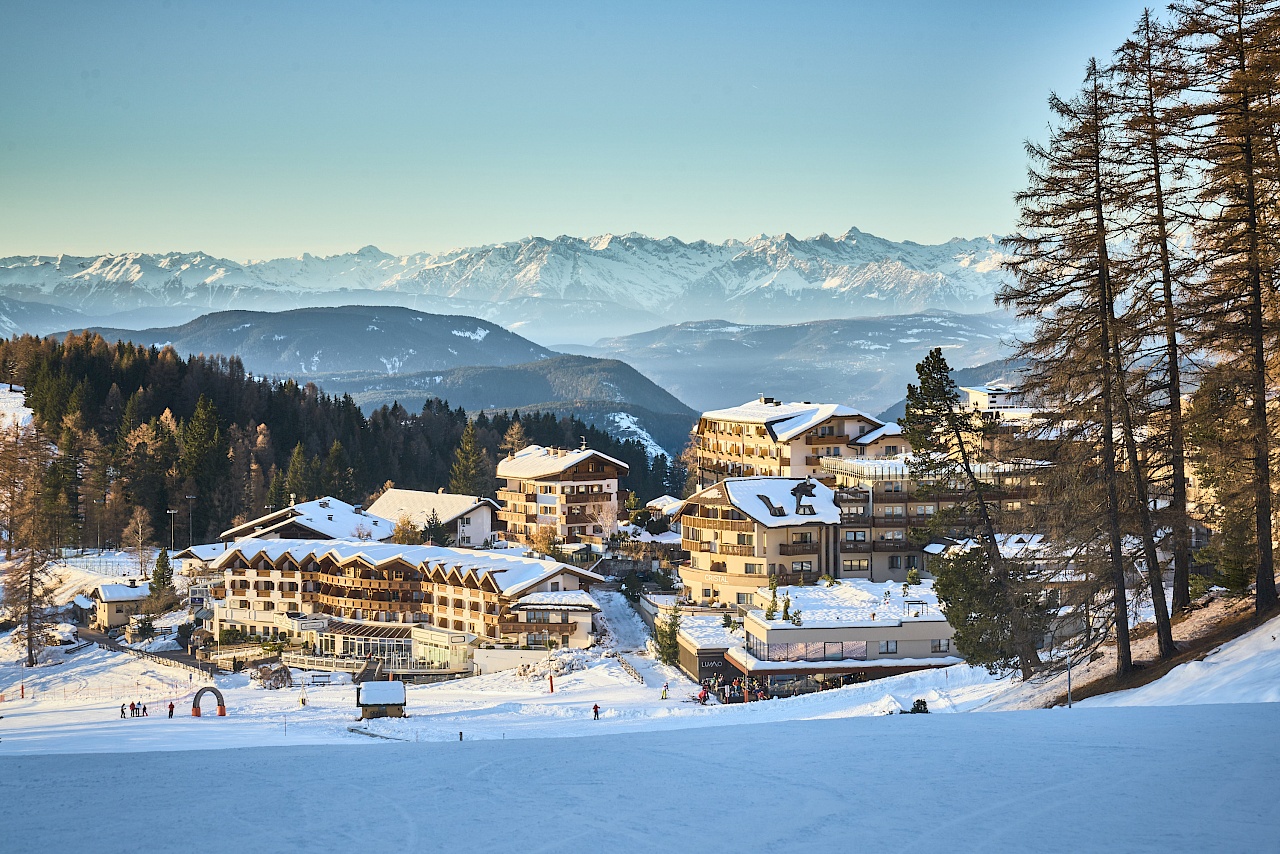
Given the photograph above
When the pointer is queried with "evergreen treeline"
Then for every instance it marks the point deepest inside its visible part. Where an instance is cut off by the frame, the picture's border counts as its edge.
(1146, 254)
(199, 444)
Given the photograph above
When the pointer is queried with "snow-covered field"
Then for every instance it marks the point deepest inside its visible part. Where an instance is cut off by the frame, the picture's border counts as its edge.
(817, 772)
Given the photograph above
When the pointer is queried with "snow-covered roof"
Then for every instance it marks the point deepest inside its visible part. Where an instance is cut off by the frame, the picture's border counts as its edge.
(881, 432)
(122, 592)
(785, 421)
(768, 500)
(418, 505)
(853, 602)
(537, 461)
(204, 552)
(639, 534)
(511, 573)
(707, 632)
(328, 517)
(666, 504)
(381, 693)
(573, 600)
(82, 601)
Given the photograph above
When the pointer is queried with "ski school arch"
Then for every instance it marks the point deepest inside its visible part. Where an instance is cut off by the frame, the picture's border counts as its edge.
(217, 695)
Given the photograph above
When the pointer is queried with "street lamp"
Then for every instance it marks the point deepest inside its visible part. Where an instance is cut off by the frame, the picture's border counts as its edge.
(171, 513)
(191, 515)
(102, 502)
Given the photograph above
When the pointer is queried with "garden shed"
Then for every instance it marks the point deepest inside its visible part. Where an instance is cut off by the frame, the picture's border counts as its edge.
(380, 699)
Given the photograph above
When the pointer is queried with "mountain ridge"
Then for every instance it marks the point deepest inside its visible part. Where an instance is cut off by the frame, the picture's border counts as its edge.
(779, 278)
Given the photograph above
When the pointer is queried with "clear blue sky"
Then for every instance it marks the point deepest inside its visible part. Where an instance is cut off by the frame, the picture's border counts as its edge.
(255, 130)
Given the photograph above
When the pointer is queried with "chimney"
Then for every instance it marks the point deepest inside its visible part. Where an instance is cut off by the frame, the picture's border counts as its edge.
(440, 491)
(358, 509)
(133, 582)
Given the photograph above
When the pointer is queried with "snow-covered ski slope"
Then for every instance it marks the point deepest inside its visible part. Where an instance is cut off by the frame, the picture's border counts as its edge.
(1042, 781)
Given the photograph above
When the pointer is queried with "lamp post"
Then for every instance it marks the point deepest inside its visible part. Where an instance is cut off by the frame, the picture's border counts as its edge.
(191, 515)
(171, 513)
(101, 502)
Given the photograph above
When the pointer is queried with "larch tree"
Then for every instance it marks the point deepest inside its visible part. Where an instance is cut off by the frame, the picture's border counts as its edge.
(1062, 281)
(1150, 80)
(1234, 45)
(514, 440)
(137, 537)
(30, 582)
(406, 533)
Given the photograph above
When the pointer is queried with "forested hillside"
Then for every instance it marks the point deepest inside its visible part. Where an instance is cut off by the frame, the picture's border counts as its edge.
(144, 427)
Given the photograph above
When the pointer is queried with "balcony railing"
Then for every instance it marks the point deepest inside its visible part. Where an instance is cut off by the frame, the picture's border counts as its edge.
(893, 546)
(826, 440)
(855, 546)
(889, 521)
(549, 628)
(798, 549)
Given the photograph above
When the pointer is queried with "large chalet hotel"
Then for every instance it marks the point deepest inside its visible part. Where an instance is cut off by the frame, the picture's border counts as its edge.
(574, 493)
(772, 439)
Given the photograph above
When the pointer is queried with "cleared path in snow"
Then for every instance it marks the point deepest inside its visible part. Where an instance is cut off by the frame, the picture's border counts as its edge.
(627, 631)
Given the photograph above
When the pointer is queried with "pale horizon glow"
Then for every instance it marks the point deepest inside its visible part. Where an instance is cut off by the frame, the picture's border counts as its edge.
(257, 131)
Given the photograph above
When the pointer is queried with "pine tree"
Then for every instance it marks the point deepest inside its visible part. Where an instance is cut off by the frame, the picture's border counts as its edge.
(666, 637)
(472, 472)
(948, 446)
(29, 583)
(162, 572)
(437, 532)
(298, 484)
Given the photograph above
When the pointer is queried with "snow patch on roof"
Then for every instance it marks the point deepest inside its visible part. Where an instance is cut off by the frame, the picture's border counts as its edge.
(419, 505)
(537, 461)
(786, 420)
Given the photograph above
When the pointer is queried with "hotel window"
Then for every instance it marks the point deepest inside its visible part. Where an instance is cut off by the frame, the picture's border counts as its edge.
(855, 566)
(464, 521)
(943, 645)
(855, 536)
(745, 599)
(912, 562)
(746, 539)
(802, 566)
(802, 537)
(706, 593)
(753, 568)
(890, 450)
(889, 647)
(895, 561)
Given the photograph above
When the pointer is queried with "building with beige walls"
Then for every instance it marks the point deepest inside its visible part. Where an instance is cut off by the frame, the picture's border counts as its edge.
(572, 492)
(768, 438)
(268, 586)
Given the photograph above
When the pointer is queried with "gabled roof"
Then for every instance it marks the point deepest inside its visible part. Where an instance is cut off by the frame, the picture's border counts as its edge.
(769, 500)
(785, 421)
(537, 461)
(122, 592)
(327, 517)
(418, 505)
(510, 574)
(881, 432)
(202, 552)
(571, 600)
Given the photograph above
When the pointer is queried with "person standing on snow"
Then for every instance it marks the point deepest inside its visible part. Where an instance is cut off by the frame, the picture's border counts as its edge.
(664, 690)
(122, 708)
(144, 710)
(596, 710)
(133, 710)
(170, 710)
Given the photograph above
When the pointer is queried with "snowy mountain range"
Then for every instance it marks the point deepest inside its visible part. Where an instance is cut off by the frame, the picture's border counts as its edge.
(551, 290)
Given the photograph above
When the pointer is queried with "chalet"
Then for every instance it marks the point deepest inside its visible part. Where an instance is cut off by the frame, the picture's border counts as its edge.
(572, 492)
(116, 603)
(322, 519)
(470, 519)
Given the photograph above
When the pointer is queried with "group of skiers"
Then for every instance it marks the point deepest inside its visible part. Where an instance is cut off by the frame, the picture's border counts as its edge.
(139, 710)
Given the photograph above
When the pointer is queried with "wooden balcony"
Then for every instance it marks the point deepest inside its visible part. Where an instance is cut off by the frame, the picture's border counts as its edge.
(263, 594)
(692, 545)
(857, 520)
(798, 549)
(893, 546)
(744, 526)
(826, 440)
(855, 546)
(812, 461)
(589, 498)
(734, 549)
(889, 521)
